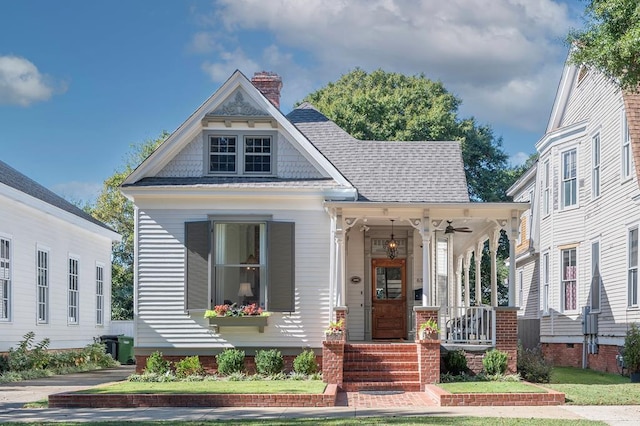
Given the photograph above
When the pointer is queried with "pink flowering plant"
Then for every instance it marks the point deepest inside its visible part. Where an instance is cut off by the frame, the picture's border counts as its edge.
(235, 311)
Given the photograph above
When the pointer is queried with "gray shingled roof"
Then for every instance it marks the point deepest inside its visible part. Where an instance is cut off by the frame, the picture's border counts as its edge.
(388, 171)
(236, 182)
(13, 178)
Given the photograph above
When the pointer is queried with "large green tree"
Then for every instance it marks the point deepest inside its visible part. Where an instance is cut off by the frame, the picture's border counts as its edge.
(610, 40)
(113, 208)
(391, 106)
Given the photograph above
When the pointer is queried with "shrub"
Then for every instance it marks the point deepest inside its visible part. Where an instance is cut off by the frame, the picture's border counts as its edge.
(455, 362)
(28, 356)
(494, 362)
(532, 366)
(632, 349)
(189, 366)
(156, 364)
(269, 362)
(4, 363)
(96, 353)
(305, 363)
(230, 361)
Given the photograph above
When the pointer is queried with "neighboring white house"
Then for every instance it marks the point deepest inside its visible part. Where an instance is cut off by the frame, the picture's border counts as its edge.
(242, 204)
(527, 273)
(587, 201)
(55, 267)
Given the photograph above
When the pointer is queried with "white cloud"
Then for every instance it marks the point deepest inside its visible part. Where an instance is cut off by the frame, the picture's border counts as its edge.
(21, 83)
(78, 192)
(518, 159)
(502, 57)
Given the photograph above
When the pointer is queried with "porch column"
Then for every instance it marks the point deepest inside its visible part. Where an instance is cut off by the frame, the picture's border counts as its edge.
(457, 293)
(479, 248)
(493, 248)
(513, 235)
(467, 267)
(426, 268)
(340, 262)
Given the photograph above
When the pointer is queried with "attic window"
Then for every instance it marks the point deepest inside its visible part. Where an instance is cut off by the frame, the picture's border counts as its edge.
(241, 153)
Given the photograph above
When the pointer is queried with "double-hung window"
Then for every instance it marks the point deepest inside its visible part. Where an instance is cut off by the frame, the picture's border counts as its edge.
(632, 268)
(595, 276)
(569, 280)
(545, 283)
(595, 171)
(569, 178)
(99, 295)
(5, 279)
(43, 286)
(626, 147)
(241, 154)
(239, 266)
(546, 180)
(72, 292)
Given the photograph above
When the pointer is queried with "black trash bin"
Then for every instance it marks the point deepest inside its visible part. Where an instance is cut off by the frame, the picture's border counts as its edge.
(111, 344)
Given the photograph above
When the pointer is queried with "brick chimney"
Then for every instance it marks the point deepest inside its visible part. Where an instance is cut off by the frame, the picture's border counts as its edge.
(269, 84)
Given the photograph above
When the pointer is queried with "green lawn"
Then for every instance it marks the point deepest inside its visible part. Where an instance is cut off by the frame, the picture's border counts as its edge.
(260, 386)
(490, 387)
(587, 387)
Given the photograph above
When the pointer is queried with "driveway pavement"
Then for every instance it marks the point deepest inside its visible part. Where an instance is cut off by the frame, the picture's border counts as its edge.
(14, 395)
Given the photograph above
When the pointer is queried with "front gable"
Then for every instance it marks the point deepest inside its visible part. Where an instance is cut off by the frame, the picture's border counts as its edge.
(237, 133)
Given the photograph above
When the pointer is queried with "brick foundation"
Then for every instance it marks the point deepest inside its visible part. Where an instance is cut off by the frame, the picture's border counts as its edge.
(570, 355)
(507, 335)
(333, 362)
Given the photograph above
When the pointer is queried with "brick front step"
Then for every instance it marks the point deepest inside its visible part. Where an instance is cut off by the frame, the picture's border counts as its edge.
(381, 386)
(381, 376)
(392, 349)
(363, 358)
(384, 365)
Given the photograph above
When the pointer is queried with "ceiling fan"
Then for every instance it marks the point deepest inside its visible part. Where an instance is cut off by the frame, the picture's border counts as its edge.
(450, 229)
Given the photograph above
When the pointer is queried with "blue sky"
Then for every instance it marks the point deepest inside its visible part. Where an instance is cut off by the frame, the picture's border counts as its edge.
(80, 81)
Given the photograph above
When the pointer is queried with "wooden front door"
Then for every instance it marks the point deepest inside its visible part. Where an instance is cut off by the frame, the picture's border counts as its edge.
(388, 299)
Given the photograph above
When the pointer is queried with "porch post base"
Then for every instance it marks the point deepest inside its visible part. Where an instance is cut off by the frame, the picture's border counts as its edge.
(507, 335)
(333, 362)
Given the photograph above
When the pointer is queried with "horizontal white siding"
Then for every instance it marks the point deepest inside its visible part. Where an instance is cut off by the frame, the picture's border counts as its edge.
(161, 321)
(29, 228)
(604, 219)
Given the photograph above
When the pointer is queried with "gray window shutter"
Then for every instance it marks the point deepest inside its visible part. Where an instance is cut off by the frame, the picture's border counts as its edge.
(197, 243)
(281, 266)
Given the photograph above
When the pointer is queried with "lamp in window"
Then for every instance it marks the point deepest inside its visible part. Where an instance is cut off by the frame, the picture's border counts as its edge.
(251, 260)
(391, 246)
(245, 291)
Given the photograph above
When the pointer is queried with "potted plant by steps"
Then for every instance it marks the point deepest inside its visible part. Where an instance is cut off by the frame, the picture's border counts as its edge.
(632, 352)
(335, 331)
(429, 330)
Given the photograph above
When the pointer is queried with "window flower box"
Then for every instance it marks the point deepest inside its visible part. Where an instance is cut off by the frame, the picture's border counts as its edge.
(233, 316)
(260, 321)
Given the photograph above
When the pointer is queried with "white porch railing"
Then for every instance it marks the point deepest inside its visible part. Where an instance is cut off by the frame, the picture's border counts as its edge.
(473, 325)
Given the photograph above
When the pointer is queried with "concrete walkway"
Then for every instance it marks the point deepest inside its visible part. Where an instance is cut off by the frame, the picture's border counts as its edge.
(14, 395)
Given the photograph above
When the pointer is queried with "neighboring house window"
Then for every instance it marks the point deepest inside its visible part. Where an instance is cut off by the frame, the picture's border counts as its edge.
(632, 280)
(595, 276)
(569, 178)
(569, 280)
(520, 288)
(5, 279)
(595, 172)
(72, 302)
(241, 154)
(626, 147)
(99, 295)
(43, 286)
(546, 199)
(545, 283)
(251, 262)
